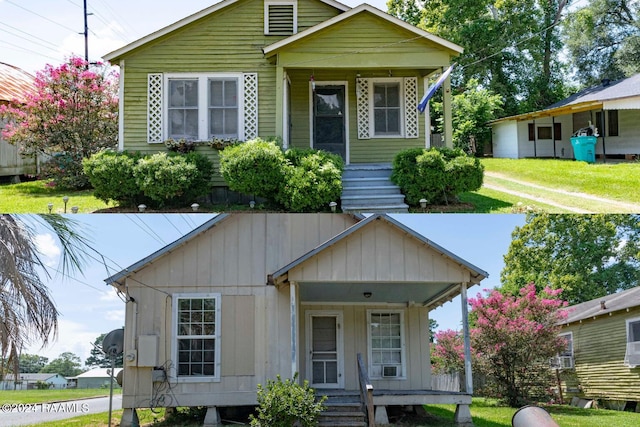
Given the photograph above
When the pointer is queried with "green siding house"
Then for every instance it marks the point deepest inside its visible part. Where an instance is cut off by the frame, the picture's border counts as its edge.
(602, 360)
(315, 73)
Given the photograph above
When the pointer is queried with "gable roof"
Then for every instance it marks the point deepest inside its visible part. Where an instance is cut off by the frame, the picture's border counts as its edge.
(622, 300)
(99, 373)
(35, 377)
(14, 83)
(271, 49)
(476, 273)
(165, 250)
(587, 99)
(188, 20)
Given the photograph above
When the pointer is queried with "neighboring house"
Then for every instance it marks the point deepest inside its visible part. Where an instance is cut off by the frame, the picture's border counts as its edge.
(246, 297)
(602, 359)
(95, 378)
(612, 107)
(315, 73)
(30, 381)
(14, 83)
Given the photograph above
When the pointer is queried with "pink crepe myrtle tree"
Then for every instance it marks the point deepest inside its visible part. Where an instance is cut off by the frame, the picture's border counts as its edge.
(71, 114)
(447, 353)
(513, 339)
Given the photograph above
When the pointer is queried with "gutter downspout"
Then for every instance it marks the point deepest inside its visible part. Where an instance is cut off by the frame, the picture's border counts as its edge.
(468, 374)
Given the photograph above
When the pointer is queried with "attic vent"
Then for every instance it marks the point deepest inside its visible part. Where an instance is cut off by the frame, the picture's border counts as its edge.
(280, 18)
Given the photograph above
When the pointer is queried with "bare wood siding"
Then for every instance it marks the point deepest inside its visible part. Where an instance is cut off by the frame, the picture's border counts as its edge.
(388, 255)
(599, 349)
(229, 259)
(355, 341)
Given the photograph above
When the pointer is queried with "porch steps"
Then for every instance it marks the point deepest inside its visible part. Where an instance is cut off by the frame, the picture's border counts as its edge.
(367, 188)
(342, 411)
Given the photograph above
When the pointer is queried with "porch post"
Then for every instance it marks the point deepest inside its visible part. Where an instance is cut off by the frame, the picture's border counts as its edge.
(279, 100)
(467, 339)
(294, 327)
(447, 112)
(427, 118)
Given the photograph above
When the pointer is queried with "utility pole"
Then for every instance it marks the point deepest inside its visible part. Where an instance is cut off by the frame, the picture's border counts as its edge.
(86, 33)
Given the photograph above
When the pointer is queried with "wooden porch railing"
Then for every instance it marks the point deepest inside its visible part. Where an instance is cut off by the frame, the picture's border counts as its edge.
(366, 391)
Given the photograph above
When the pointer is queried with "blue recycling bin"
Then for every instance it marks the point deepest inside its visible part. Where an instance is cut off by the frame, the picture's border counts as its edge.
(584, 148)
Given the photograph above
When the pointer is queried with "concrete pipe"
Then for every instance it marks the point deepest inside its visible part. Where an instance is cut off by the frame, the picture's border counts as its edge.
(532, 416)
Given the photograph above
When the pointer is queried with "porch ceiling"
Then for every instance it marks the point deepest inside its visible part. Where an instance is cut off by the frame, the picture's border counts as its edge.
(428, 294)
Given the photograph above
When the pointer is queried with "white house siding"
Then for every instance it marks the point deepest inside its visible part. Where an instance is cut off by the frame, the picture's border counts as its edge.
(233, 259)
(629, 134)
(505, 140)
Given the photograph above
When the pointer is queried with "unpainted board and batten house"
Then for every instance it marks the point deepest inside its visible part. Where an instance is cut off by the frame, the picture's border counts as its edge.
(247, 297)
(602, 359)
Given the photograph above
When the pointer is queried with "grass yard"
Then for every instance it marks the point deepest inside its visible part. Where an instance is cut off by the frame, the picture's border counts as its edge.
(34, 196)
(485, 413)
(618, 181)
(46, 396)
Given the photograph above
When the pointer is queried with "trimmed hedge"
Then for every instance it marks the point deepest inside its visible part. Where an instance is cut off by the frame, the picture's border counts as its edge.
(157, 180)
(299, 180)
(437, 174)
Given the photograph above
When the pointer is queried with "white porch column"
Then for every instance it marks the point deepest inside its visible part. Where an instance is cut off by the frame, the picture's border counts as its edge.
(280, 76)
(293, 296)
(467, 339)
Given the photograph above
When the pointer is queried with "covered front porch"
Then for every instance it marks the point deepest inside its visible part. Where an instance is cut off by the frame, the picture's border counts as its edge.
(352, 85)
(359, 310)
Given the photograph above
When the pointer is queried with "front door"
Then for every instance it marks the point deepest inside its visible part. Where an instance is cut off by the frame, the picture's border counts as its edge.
(324, 343)
(329, 115)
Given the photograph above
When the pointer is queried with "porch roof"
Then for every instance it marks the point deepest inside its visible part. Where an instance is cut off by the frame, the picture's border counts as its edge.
(443, 45)
(354, 269)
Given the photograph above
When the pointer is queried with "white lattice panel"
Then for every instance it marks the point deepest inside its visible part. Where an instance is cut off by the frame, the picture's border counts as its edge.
(250, 106)
(362, 95)
(411, 119)
(154, 108)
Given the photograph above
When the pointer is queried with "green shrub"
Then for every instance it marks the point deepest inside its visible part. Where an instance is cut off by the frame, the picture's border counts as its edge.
(437, 174)
(312, 180)
(255, 167)
(162, 177)
(158, 180)
(283, 403)
(65, 171)
(111, 175)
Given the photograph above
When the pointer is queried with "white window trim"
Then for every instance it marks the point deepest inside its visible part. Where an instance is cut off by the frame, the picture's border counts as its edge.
(372, 124)
(629, 343)
(403, 374)
(268, 3)
(173, 371)
(203, 110)
(571, 357)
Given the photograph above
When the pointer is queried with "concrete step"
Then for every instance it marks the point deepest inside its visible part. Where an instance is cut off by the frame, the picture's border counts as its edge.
(370, 190)
(366, 182)
(372, 199)
(403, 208)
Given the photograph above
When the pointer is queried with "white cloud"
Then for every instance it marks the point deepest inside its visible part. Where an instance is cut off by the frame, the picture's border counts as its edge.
(47, 245)
(72, 336)
(115, 316)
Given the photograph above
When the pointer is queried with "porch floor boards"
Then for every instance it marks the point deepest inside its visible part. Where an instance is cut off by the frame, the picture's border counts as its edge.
(399, 397)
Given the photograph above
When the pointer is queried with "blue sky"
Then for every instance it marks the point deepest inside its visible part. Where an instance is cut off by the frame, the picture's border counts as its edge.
(34, 33)
(88, 307)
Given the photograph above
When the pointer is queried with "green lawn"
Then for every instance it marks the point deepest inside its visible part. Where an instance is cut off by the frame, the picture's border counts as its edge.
(485, 413)
(34, 196)
(45, 396)
(619, 181)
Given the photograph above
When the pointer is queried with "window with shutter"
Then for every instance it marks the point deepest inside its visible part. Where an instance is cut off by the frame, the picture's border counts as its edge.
(280, 18)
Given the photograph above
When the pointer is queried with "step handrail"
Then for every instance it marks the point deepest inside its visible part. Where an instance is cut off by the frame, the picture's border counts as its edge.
(366, 391)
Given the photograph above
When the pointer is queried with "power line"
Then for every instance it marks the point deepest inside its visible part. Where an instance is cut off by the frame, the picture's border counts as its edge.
(142, 225)
(30, 35)
(41, 16)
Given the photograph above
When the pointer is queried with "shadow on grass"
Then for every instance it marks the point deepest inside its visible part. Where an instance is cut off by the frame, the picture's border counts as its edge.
(578, 412)
(445, 415)
(484, 204)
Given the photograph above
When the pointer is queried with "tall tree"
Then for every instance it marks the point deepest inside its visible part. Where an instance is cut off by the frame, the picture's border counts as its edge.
(71, 114)
(32, 363)
(27, 311)
(588, 256)
(98, 358)
(511, 47)
(67, 365)
(603, 40)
